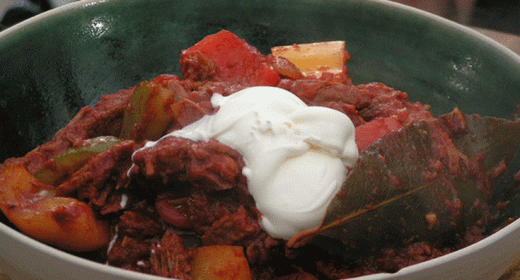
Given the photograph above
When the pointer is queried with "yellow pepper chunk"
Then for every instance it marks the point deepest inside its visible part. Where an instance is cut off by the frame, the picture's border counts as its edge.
(315, 58)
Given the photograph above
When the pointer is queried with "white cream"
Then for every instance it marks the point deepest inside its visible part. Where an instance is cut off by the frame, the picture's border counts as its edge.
(296, 156)
(124, 201)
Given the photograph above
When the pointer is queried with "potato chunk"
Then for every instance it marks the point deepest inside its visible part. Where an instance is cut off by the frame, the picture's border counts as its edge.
(63, 222)
(220, 262)
(313, 59)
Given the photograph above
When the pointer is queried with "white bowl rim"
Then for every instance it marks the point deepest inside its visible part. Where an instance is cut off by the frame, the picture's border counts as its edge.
(473, 248)
(72, 259)
(85, 263)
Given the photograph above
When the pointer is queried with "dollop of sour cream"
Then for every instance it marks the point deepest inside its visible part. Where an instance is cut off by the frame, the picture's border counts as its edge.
(297, 156)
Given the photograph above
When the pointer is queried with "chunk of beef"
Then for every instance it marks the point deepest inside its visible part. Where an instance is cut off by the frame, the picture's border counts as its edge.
(387, 260)
(259, 251)
(316, 92)
(195, 211)
(387, 102)
(169, 257)
(95, 180)
(105, 119)
(126, 251)
(238, 228)
(138, 225)
(298, 276)
(207, 165)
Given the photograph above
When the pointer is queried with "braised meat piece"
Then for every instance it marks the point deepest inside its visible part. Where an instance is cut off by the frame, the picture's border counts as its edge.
(208, 165)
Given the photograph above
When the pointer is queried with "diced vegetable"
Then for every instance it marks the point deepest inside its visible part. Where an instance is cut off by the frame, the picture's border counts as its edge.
(220, 262)
(226, 57)
(313, 59)
(71, 160)
(15, 180)
(368, 133)
(148, 113)
(64, 222)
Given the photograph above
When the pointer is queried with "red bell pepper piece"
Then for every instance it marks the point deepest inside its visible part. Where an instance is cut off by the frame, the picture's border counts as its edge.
(225, 57)
(368, 133)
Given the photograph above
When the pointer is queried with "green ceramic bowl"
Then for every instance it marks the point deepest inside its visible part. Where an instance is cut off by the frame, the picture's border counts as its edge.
(55, 63)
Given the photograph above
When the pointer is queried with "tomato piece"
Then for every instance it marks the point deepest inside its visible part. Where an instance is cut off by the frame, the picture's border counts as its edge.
(226, 57)
(368, 133)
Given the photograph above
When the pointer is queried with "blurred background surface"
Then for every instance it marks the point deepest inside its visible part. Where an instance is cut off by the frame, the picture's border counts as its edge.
(499, 15)
(498, 19)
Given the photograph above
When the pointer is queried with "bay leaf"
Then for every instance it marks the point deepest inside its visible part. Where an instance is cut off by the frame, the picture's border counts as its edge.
(429, 181)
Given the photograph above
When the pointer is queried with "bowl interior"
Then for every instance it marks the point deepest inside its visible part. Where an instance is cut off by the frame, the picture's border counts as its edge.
(62, 60)
(68, 60)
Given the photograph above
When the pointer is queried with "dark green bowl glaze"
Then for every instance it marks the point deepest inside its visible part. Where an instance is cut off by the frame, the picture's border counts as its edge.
(56, 63)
